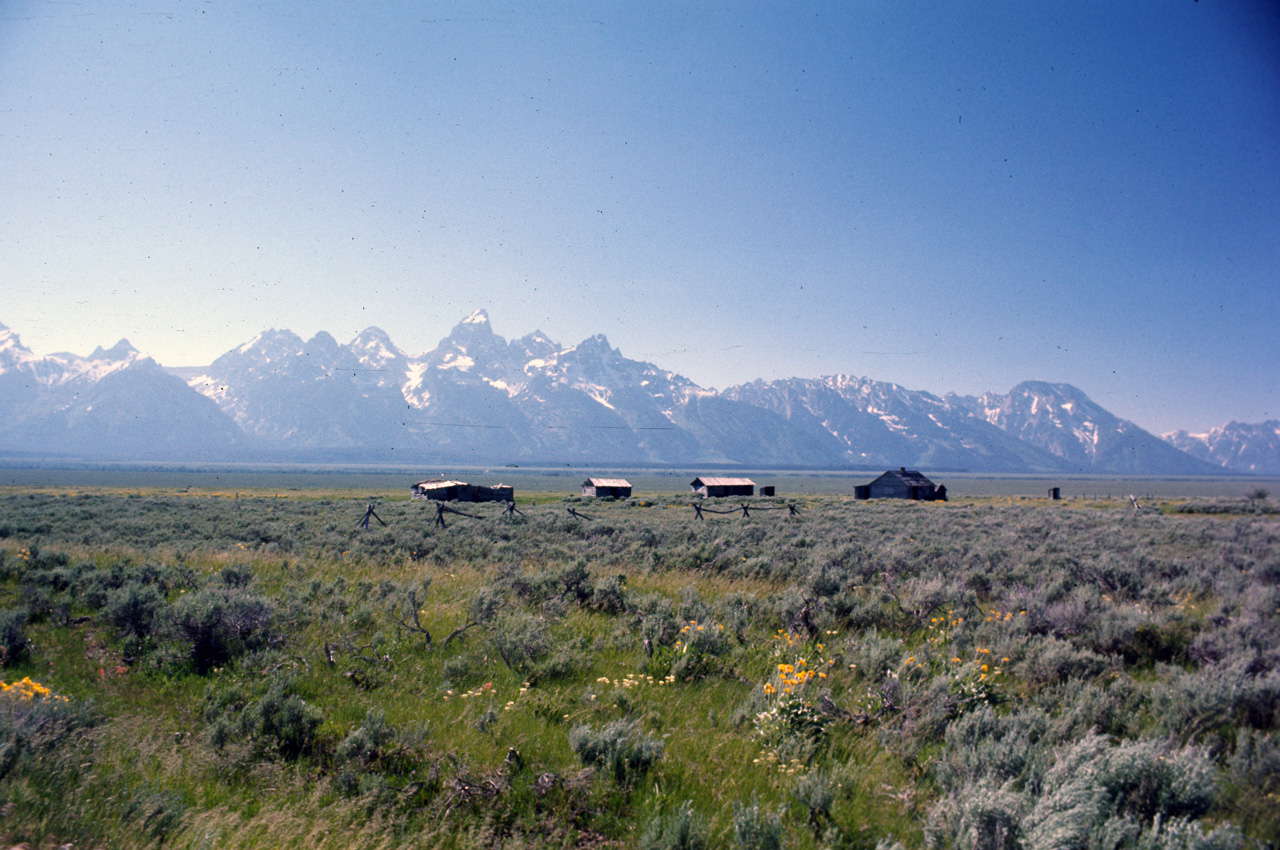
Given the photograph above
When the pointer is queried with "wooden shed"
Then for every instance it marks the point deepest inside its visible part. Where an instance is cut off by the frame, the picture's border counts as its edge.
(443, 490)
(617, 488)
(723, 487)
(902, 484)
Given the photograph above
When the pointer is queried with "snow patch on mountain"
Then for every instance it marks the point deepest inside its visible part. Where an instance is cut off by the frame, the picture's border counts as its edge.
(476, 396)
(457, 360)
(1236, 446)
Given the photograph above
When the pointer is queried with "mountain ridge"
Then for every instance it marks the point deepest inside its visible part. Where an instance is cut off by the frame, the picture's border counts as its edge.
(478, 397)
(1238, 446)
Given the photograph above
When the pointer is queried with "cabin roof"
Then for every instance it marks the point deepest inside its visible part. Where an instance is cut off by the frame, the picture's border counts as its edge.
(723, 482)
(607, 482)
(908, 476)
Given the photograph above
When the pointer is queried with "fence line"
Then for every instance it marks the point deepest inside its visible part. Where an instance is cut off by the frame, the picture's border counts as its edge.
(510, 510)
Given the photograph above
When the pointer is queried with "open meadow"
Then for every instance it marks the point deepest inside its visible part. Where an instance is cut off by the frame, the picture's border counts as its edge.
(243, 668)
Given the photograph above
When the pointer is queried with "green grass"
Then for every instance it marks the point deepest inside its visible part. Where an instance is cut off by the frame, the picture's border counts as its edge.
(1141, 619)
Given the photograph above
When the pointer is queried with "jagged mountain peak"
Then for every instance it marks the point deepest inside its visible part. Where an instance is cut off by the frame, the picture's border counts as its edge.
(373, 333)
(1238, 446)
(270, 341)
(11, 348)
(473, 326)
(597, 345)
(534, 351)
(1062, 420)
(114, 404)
(374, 344)
(877, 423)
(323, 343)
(1035, 405)
(122, 350)
(283, 352)
(472, 351)
(473, 330)
(479, 397)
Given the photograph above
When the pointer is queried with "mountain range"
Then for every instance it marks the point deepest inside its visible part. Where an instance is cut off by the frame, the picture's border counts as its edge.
(479, 398)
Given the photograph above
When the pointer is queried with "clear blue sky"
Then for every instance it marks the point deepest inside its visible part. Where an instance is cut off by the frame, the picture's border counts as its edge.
(952, 196)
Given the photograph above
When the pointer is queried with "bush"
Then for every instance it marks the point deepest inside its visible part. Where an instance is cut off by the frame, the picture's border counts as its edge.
(610, 595)
(280, 721)
(218, 625)
(756, 829)
(983, 816)
(287, 721)
(817, 793)
(681, 829)
(366, 742)
(157, 812)
(617, 747)
(984, 744)
(522, 641)
(14, 646)
(1096, 790)
(1183, 834)
(697, 649)
(35, 723)
(133, 608)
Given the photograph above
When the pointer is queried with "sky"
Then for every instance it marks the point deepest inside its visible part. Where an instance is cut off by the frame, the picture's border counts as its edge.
(955, 197)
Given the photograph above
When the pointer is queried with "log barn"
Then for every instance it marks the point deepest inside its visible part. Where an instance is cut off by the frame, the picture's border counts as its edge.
(723, 487)
(902, 484)
(617, 488)
(443, 490)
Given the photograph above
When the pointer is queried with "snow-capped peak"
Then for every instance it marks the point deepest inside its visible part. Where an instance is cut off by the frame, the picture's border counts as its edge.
(272, 342)
(13, 354)
(122, 350)
(374, 347)
(477, 317)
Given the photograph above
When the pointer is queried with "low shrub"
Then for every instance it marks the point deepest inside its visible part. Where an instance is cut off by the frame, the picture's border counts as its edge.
(14, 644)
(982, 816)
(217, 625)
(366, 743)
(35, 721)
(679, 829)
(133, 609)
(279, 721)
(619, 748)
(755, 827)
(521, 640)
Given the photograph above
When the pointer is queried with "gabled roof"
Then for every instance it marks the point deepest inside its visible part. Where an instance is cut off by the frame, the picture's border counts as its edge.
(723, 482)
(608, 482)
(437, 483)
(908, 476)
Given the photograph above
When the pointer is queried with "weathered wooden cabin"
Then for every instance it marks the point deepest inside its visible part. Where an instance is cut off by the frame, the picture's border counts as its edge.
(442, 490)
(616, 488)
(723, 487)
(902, 484)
